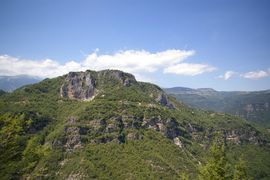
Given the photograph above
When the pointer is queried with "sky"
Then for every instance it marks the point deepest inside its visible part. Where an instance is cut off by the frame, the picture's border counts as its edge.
(220, 44)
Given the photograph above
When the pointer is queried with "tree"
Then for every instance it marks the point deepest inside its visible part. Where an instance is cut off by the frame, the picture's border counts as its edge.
(217, 167)
(240, 170)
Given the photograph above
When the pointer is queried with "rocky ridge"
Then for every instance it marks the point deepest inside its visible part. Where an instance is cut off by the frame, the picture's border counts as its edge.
(87, 85)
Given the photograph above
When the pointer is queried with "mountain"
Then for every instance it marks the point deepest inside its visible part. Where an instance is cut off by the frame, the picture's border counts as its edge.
(2, 92)
(10, 83)
(253, 106)
(107, 125)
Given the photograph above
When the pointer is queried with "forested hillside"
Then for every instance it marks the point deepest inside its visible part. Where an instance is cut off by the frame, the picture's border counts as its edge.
(107, 125)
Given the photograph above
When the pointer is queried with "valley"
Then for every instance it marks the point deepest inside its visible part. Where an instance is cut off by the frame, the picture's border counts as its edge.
(253, 106)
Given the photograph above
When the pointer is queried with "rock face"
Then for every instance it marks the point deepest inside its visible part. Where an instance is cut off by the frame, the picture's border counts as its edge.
(113, 130)
(253, 111)
(79, 85)
(243, 135)
(125, 128)
(124, 78)
(163, 100)
(83, 85)
(73, 140)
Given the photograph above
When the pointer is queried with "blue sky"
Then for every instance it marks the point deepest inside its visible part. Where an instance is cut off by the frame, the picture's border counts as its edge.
(222, 44)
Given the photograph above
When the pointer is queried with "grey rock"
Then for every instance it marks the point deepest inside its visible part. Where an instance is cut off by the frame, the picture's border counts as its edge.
(124, 78)
(79, 85)
(83, 85)
(73, 140)
(162, 99)
(133, 136)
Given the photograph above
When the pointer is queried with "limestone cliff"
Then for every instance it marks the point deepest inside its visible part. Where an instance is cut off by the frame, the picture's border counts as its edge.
(86, 85)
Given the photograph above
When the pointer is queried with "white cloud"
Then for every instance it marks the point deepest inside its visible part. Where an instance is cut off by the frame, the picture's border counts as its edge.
(136, 61)
(132, 61)
(248, 75)
(228, 74)
(189, 69)
(42, 68)
(256, 74)
(143, 78)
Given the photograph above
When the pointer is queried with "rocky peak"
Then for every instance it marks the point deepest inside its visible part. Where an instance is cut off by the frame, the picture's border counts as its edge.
(83, 85)
(124, 78)
(86, 85)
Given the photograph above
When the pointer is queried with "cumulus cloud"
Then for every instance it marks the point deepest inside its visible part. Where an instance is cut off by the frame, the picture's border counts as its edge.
(228, 74)
(136, 61)
(256, 74)
(132, 61)
(189, 69)
(42, 68)
(248, 75)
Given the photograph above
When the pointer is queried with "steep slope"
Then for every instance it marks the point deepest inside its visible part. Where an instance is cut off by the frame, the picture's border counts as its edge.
(10, 83)
(253, 106)
(107, 125)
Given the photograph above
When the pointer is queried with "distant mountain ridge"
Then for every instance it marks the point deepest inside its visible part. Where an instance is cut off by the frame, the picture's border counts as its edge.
(185, 90)
(10, 83)
(251, 105)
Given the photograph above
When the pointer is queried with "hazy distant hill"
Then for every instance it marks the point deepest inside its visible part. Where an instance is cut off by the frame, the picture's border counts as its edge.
(2, 92)
(253, 106)
(10, 83)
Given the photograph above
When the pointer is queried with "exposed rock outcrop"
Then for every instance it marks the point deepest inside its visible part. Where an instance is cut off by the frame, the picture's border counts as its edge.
(127, 128)
(133, 136)
(240, 136)
(70, 140)
(84, 85)
(124, 78)
(73, 140)
(162, 99)
(79, 85)
(177, 142)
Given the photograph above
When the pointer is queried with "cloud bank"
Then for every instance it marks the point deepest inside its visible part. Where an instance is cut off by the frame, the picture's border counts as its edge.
(132, 61)
(189, 69)
(43, 68)
(254, 75)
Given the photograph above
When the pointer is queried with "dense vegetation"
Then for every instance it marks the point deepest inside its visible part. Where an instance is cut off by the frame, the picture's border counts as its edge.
(44, 135)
